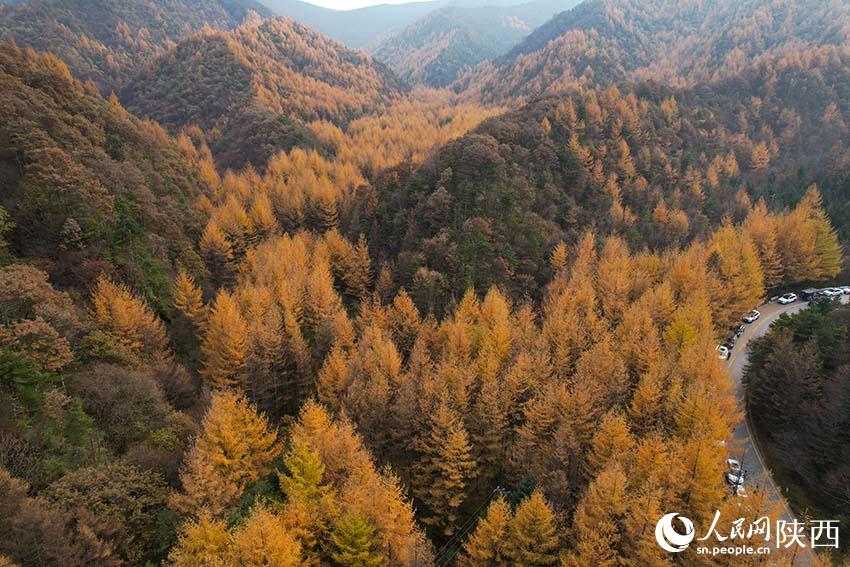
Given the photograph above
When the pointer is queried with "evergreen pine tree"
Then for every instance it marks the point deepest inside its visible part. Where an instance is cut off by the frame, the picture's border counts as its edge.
(353, 543)
(487, 545)
(761, 228)
(188, 298)
(233, 449)
(828, 253)
(264, 541)
(533, 540)
(224, 345)
(445, 468)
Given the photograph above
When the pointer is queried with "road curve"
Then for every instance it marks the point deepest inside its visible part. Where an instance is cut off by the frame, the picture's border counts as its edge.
(746, 450)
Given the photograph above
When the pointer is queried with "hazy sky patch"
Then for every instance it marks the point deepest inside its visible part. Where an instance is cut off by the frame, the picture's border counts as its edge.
(353, 4)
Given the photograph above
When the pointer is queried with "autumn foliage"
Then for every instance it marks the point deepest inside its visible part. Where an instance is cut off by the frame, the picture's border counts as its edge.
(328, 320)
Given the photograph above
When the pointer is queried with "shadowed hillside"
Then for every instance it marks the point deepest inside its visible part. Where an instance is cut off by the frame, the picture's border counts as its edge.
(107, 41)
(89, 187)
(679, 43)
(255, 87)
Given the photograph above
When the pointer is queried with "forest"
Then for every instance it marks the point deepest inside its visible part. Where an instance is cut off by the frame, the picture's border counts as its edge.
(265, 303)
(252, 89)
(679, 43)
(108, 41)
(807, 356)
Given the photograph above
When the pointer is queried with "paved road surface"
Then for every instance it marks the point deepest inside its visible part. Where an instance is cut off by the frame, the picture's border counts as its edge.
(747, 451)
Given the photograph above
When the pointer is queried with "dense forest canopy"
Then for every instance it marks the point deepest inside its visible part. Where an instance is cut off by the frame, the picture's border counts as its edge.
(108, 41)
(656, 165)
(676, 42)
(268, 304)
(252, 89)
(808, 356)
(90, 188)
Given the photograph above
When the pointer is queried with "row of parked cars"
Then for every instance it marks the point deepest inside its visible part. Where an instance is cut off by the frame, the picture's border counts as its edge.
(735, 474)
(724, 350)
(813, 294)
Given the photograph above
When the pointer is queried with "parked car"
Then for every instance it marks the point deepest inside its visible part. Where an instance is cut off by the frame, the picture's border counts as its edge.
(739, 330)
(827, 294)
(736, 481)
(734, 465)
(787, 298)
(736, 478)
(752, 317)
(730, 342)
(722, 352)
(808, 294)
(845, 289)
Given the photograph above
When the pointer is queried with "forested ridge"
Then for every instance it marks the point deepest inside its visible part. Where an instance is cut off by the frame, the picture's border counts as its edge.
(440, 45)
(657, 166)
(678, 43)
(108, 41)
(267, 304)
(89, 187)
(435, 48)
(257, 85)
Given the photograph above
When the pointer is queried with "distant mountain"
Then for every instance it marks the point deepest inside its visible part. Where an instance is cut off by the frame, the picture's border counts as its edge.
(674, 41)
(255, 87)
(435, 48)
(366, 28)
(108, 40)
(355, 28)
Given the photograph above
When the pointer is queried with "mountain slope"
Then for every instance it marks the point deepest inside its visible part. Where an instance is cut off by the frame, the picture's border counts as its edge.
(257, 85)
(108, 40)
(655, 165)
(435, 48)
(355, 28)
(89, 187)
(605, 41)
(368, 27)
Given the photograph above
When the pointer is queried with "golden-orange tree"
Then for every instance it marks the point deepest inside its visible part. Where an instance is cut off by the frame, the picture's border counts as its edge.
(232, 450)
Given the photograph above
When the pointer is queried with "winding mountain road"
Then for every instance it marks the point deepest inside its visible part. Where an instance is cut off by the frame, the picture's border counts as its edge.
(746, 450)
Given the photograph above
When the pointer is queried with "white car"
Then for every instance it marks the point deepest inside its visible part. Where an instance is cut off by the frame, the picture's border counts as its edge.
(736, 478)
(787, 298)
(722, 352)
(734, 465)
(831, 292)
(752, 317)
(845, 290)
